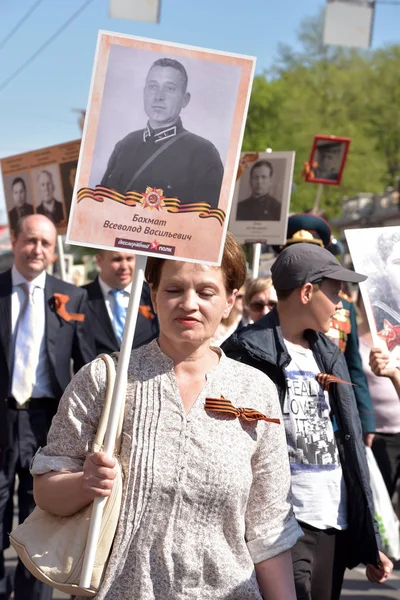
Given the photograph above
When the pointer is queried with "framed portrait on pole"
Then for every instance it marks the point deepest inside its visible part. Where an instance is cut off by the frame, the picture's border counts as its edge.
(327, 159)
(160, 148)
(262, 196)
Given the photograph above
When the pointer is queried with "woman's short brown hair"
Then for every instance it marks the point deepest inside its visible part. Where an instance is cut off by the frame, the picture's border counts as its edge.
(255, 286)
(233, 266)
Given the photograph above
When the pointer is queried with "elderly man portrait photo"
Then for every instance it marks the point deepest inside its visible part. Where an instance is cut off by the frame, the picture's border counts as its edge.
(21, 207)
(49, 206)
(164, 154)
(261, 205)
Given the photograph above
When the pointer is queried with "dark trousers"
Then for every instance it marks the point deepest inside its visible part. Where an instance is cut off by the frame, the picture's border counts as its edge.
(386, 449)
(27, 431)
(319, 563)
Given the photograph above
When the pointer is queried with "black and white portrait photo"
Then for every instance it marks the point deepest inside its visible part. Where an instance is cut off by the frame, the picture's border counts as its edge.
(376, 253)
(47, 191)
(163, 124)
(161, 144)
(68, 174)
(328, 158)
(260, 205)
(262, 196)
(32, 183)
(18, 197)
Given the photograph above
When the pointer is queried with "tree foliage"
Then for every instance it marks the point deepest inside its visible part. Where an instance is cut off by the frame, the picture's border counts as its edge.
(330, 91)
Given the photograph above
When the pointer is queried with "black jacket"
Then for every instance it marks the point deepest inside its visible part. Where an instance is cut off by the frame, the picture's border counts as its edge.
(265, 208)
(56, 216)
(357, 375)
(65, 340)
(261, 345)
(101, 326)
(16, 214)
(190, 169)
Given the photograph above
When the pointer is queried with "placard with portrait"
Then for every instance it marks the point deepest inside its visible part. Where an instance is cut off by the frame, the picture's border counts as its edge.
(262, 197)
(375, 252)
(160, 148)
(327, 159)
(41, 182)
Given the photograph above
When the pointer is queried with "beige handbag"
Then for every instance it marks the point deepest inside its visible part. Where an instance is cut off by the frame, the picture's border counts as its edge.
(52, 548)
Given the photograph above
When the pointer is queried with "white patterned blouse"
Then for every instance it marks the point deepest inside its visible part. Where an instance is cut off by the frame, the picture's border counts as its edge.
(205, 495)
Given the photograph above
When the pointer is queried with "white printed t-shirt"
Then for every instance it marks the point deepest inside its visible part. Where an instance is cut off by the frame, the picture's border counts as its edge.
(318, 486)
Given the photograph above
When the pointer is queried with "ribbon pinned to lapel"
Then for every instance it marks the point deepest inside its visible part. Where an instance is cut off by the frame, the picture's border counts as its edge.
(60, 300)
(325, 380)
(145, 310)
(223, 405)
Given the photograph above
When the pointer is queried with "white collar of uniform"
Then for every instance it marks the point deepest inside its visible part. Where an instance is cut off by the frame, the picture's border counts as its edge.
(17, 278)
(160, 135)
(105, 288)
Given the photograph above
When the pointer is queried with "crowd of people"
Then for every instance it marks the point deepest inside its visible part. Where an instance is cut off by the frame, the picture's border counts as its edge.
(243, 446)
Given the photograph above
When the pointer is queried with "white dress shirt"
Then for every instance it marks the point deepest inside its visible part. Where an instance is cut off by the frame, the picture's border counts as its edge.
(110, 300)
(42, 387)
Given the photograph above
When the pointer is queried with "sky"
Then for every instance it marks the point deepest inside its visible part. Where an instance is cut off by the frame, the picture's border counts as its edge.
(36, 108)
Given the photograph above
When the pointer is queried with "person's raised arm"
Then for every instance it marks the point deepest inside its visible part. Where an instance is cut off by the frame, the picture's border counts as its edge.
(380, 364)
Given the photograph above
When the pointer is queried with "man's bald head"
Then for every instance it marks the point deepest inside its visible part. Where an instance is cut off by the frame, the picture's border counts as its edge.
(37, 220)
(33, 245)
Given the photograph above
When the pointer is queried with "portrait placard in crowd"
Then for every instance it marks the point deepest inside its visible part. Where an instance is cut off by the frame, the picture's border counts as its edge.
(262, 196)
(327, 159)
(160, 148)
(41, 182)
(376, 252)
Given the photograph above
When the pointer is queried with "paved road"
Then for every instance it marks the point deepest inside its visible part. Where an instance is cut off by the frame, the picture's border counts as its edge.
(356, 586)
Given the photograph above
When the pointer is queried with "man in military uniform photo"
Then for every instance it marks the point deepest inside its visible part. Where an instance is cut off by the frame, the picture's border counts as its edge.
(260, 206)
(21, 207)
(49, 206)
(328, 157)
(164, 155)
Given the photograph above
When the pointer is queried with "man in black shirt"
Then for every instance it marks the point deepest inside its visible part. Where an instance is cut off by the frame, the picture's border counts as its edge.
(49, 206)
(21, 206)
(260, 206)
(164, 155)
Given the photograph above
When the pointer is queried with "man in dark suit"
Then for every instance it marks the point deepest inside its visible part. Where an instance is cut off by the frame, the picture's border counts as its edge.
(21, 206)
(49, 206)
(164, 155)
(260, 206)
(42, 327)
(108, 301)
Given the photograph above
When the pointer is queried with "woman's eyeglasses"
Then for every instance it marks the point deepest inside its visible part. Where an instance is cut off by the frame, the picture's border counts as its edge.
(259, 306)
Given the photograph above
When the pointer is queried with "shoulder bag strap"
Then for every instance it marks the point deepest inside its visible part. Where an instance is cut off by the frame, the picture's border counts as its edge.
(152, 158)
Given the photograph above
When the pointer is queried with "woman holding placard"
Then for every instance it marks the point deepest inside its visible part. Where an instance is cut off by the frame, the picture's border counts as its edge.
(206, 505)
